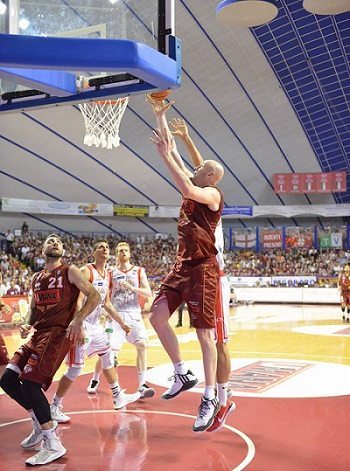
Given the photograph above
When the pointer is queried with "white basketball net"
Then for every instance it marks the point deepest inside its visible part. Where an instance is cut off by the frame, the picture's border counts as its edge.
(102, 121)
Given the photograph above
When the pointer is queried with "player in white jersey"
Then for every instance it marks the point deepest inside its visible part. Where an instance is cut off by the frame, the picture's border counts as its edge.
(128, 283)
(180, 130)
(96, 340)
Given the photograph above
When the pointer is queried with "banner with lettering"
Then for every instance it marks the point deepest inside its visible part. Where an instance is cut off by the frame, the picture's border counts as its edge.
(326, 182)
(271, 239)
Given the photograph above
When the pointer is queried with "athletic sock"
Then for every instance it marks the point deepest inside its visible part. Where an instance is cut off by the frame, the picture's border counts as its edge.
(180, 368)
(51, 433)
(209, 392)
(115, 388)
(57, 400)
(141, 377)
(96, 376)
(222, 393)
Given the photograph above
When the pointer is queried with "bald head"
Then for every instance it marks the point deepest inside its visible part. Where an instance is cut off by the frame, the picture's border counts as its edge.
(216, 168)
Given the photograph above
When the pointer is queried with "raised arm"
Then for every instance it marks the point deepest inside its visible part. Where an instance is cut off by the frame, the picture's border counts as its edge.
(207, 195)
(160, 108)
(180, 130)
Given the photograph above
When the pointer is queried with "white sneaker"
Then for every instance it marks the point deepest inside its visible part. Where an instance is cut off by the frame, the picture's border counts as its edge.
(181, 383)
(206, 413)
(58, 415)
(34, 438)
(93, 385)
(123, 399)
(51, 450)
(146, 392)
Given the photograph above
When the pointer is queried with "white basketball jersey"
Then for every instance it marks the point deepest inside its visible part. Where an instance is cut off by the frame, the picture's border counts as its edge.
(219, 244)
(123, 299)
(101, 284)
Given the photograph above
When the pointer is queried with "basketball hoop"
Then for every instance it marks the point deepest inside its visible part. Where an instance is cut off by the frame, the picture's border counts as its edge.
(102, 120)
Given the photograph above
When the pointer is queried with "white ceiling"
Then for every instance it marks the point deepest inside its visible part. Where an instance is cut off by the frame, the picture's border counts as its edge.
(237, 112)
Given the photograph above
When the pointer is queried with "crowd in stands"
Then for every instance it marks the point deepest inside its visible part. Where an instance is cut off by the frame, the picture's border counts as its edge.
(22, 256)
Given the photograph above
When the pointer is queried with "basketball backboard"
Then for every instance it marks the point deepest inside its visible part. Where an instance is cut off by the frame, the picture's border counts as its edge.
(64, 52)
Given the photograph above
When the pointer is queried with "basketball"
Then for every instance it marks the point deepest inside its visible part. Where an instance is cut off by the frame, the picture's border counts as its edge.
(160, 96)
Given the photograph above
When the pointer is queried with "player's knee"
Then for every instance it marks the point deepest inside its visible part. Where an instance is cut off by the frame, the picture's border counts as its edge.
(30, 389)
(72, 372)
(9, 381)
(34, 394)
(107, 360)
(160, 313)
(141, 345)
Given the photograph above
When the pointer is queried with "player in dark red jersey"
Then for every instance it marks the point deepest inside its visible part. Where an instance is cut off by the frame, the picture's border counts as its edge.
(344, 288)
(4, 357)
(195, 275)
(56, 325)
(180, 130)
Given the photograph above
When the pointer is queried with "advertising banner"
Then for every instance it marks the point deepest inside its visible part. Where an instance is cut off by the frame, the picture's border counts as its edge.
(164, 211)
(242, 211)
(130, 210)
(14, 205)
(327, 182)
(271, 238)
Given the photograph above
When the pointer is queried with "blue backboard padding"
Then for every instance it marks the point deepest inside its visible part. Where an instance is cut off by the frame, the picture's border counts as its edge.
(53, 82)
(40, 103)
(77, 54)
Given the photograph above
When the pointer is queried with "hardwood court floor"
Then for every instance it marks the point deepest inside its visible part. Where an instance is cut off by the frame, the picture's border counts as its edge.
(291, 379)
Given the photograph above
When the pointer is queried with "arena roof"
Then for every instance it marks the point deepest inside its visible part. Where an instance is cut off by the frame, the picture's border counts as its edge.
(265, 100)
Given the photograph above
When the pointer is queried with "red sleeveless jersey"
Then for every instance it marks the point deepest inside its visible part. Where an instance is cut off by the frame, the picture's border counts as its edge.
(345, 282)
(55, 298)
(196, 230)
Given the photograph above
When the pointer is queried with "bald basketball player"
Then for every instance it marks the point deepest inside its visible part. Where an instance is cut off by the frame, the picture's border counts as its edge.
(195, 275)
(180, 131)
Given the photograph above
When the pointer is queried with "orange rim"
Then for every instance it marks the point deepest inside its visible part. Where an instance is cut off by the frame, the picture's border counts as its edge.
(108, 102)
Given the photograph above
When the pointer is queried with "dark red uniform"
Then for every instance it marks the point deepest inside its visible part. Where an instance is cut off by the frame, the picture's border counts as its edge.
(195, 276)
(345, 288)
(4, 358)
(55, 299)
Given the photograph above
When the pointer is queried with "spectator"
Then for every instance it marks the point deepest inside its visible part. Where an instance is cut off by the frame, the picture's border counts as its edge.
(10, 237)
(25, 228)
(14, 289)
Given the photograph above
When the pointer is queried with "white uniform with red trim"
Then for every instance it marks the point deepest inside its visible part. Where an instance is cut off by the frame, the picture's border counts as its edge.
(96, 339)
(223, 304)
(127, 304)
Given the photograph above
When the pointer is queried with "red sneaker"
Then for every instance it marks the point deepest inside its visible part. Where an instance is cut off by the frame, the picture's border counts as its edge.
(221, 416)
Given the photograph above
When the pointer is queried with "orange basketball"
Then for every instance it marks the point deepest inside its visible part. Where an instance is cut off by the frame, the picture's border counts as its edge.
(160, 96)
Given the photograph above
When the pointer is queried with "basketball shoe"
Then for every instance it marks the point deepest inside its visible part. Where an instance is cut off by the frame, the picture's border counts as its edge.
(206, 413)
(181, 383)
(122, 399)
(51, 450)
(35, 437)
(146, 391)
(58, 415)
(221, 416)
(93, 385)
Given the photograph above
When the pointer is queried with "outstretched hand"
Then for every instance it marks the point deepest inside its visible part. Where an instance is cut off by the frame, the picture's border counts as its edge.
(164, 143)
(159, 107)
(179, 128)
